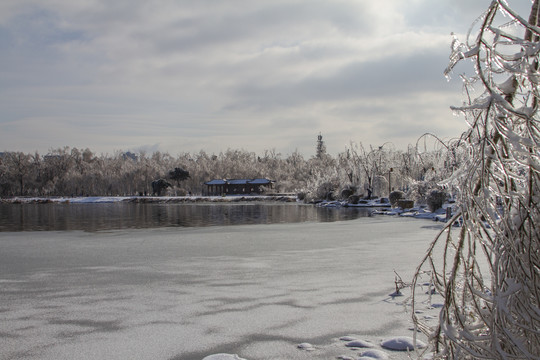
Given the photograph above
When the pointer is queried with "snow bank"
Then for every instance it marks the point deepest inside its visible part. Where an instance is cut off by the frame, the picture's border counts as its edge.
(146, 199)
(402, 343)
(359, 344)
(306, 346)
(384, 208)
(374, 354)
(420, 212)
(379, 202)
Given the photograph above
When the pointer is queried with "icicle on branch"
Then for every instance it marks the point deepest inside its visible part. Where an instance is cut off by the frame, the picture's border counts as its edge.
(488, 269)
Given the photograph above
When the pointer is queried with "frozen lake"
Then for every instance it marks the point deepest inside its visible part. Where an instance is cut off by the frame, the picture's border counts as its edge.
(183, 293)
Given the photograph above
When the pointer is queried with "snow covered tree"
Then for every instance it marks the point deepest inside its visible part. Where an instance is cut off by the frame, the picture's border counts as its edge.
(373, 166)
(18, 165)
(488, 270)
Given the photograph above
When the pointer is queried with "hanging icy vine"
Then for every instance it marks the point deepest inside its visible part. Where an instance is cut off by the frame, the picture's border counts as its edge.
(488, 269)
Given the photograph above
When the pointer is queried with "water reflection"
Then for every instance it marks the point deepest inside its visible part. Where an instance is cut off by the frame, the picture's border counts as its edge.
(94, 217)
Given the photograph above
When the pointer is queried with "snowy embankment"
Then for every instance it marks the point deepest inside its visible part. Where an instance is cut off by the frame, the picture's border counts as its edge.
(366, 350)
(379, 203)
(418, 212)
(146, 199)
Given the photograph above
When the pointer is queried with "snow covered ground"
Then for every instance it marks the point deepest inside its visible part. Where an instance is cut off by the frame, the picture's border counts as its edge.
(148, 199)
(282, 291)
(384, 208)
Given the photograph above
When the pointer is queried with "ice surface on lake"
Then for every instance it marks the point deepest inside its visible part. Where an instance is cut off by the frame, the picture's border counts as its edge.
(256, 291)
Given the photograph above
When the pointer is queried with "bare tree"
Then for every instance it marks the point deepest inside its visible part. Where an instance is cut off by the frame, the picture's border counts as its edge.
(374, 165)
(19, 166)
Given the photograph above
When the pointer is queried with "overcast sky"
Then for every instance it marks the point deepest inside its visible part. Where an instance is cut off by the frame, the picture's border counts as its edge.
(181, 76)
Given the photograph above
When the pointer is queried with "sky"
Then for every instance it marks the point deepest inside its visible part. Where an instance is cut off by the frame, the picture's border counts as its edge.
(183, 76)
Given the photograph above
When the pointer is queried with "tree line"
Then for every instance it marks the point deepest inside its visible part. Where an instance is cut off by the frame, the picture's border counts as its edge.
(365, 171)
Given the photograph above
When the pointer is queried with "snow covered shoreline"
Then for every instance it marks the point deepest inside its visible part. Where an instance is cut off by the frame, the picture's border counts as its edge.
(383, 208)
(145, 199)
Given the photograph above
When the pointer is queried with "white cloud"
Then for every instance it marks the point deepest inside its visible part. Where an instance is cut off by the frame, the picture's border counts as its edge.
(211, 75)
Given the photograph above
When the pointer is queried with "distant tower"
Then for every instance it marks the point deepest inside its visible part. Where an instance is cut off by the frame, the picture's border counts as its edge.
(321, 148)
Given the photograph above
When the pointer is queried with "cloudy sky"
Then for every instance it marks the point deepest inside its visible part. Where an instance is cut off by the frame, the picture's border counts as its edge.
(181, 75)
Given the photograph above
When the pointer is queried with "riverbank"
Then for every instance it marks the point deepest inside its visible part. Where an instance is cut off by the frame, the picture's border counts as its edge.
(442, 214)
(146, 199)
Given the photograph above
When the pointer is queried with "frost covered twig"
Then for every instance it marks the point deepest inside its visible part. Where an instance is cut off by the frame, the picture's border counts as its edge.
(400, 284)
(488, 271)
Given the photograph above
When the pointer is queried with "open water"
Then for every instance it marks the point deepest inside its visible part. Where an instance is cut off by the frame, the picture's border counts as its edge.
(123, 215)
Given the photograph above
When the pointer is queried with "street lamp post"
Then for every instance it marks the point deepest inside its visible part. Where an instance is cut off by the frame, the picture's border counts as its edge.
(390, 181)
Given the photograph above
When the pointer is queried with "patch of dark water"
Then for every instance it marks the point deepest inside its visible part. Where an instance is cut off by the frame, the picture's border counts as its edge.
(122, 215)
